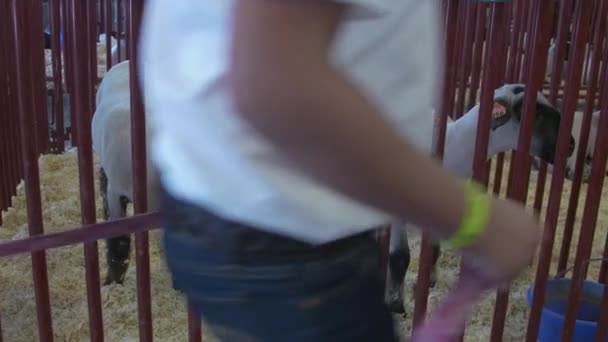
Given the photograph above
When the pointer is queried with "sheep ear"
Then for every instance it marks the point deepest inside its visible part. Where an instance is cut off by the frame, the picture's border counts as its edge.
(546, 111)
(518, 107)
(548, 114)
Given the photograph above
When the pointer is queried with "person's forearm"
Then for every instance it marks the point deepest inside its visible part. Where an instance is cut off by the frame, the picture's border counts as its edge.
(329, 129)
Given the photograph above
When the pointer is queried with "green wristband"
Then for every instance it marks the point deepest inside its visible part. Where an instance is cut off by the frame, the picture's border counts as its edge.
(475, 218)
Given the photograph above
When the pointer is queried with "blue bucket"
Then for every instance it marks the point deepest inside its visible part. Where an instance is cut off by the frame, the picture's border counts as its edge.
(556, 304)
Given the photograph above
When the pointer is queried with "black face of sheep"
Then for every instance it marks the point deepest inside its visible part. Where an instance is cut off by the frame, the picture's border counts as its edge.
(546, 129)
(546, 122)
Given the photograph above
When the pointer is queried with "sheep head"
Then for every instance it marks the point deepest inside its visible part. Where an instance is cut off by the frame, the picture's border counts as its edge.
(506, 119)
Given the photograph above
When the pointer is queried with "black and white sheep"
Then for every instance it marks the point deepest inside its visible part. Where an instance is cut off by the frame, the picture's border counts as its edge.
(458, 159)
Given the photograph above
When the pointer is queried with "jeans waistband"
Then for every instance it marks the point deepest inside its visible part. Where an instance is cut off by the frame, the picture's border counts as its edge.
(199, 225)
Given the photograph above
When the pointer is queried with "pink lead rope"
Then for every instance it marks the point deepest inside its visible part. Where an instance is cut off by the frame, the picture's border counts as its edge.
(449, 319)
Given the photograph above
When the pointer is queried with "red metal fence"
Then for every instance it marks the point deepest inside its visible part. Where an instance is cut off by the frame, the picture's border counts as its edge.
(509, 39)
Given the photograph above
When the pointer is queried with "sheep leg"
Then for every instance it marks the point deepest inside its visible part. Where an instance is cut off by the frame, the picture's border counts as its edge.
(399, 260)
(586, 172)
(535, 164)
(436, 250)
(112, 244)
(436, 247)
(117, 248)
(103, 189)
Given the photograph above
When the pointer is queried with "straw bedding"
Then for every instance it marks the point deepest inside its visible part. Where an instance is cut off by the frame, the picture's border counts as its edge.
(61, 210)
(479, 327)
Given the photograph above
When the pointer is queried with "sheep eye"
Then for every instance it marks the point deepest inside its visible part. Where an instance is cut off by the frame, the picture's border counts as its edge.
(518, 90)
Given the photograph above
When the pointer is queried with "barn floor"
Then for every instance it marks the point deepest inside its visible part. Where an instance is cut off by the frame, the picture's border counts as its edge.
(60, 194)
(61, 211)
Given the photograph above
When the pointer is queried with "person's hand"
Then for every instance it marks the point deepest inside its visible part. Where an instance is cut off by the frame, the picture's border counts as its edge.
(509, 242)
(501, 253)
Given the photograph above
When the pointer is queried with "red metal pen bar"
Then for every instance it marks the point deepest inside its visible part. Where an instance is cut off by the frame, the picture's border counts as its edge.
(29, 155)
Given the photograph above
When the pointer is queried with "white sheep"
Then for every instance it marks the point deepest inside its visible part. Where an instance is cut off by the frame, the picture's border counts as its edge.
(114, 47)
(564, 75)
(111, 134)
(551, 62)
(458, 159)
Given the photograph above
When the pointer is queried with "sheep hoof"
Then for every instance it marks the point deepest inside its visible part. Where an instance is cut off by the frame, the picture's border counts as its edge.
(586, 174)
(110, 280)
(175, 287)
(395, 297)
(116, 273)
(433, 279)
(569, 173)
(396, 306)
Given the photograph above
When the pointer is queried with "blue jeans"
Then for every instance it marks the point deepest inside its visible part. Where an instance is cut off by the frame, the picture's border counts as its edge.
(255, 286)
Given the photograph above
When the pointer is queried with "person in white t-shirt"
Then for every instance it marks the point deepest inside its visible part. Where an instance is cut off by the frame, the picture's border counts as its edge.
(285, 132)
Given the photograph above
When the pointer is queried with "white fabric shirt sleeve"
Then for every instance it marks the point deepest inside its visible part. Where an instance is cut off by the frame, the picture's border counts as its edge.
(368, 8)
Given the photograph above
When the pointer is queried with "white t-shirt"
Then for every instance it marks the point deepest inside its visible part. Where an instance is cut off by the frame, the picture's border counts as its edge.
(209, 156)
